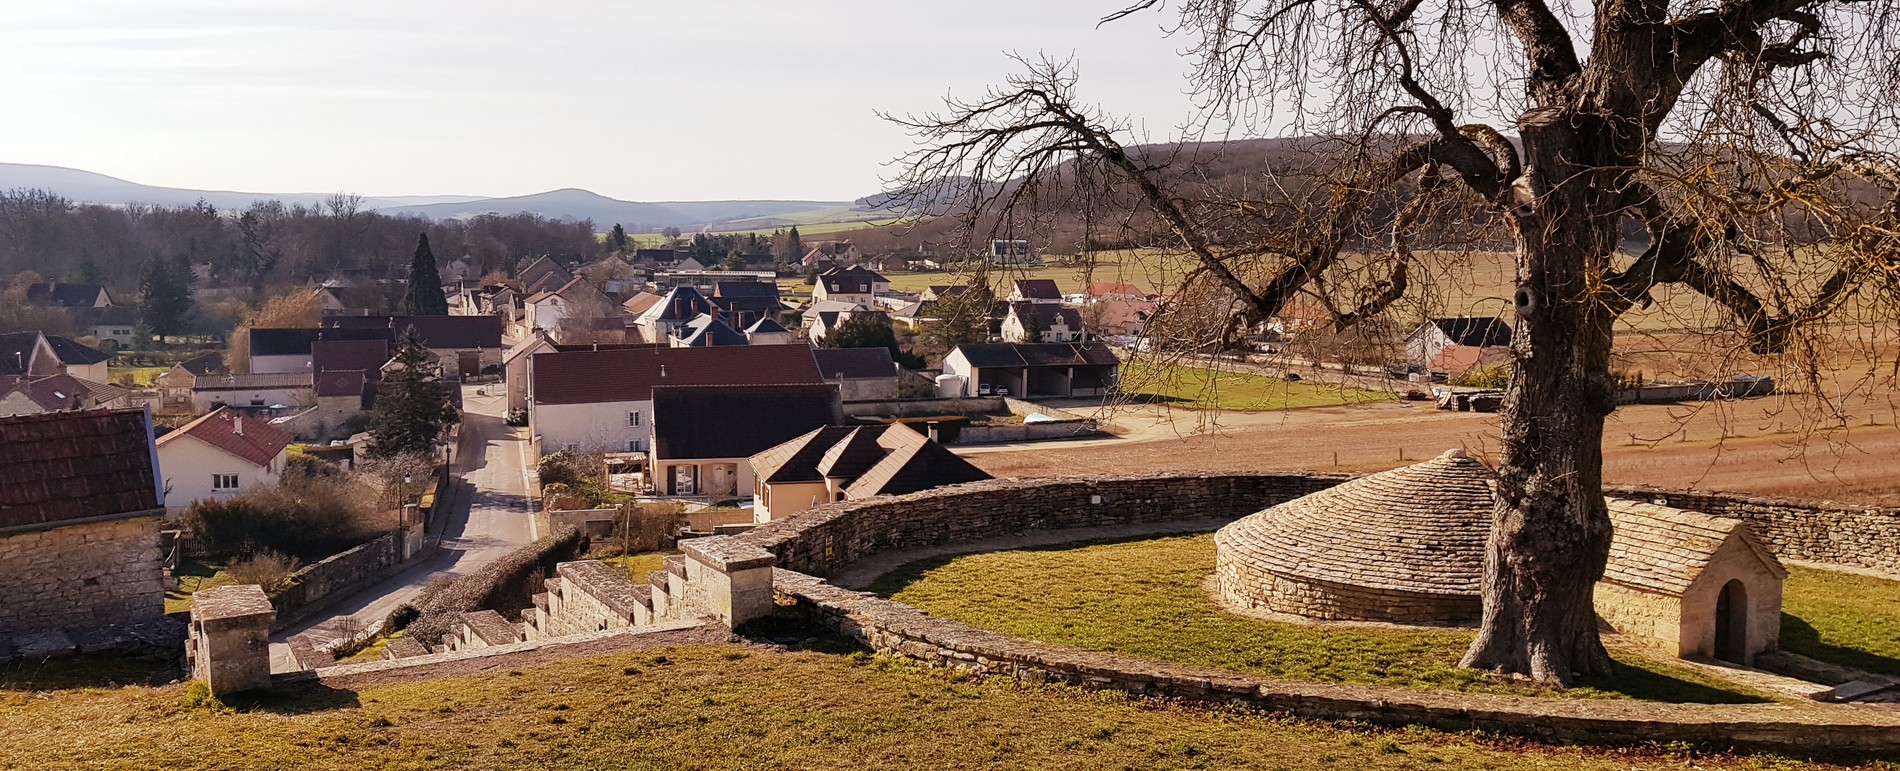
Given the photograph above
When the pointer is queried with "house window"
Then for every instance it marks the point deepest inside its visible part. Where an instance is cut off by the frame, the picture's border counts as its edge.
(257, 402)
(223, 483)
(634, 445)
(633, 418)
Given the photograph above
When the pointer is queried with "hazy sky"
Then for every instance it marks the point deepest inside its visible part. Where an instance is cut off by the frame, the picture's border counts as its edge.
(642, 100)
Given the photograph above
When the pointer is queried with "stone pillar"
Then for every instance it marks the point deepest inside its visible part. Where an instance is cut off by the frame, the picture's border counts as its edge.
(728, 578)
(229, 649)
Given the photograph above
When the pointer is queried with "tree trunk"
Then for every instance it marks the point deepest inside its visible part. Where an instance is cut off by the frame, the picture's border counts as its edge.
(1550, 534)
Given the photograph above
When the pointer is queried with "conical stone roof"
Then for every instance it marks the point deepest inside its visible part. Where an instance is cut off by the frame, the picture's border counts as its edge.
(1419, 529)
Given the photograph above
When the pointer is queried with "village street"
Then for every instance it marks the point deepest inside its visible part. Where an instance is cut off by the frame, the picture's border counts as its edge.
(488, 515)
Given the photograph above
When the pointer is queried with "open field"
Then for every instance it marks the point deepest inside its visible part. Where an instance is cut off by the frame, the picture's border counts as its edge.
(1751, 445)
(1847, 619)
(719, 707)
(1146, 598)
(1230, 390)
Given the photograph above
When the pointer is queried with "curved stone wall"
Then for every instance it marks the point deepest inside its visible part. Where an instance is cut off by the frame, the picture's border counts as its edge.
(1247, 585)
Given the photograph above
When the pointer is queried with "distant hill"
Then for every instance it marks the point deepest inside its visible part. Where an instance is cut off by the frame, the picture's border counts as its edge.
(564, 204)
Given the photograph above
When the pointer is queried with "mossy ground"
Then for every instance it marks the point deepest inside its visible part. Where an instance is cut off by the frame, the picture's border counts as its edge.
(1145, 598)
(720, 707)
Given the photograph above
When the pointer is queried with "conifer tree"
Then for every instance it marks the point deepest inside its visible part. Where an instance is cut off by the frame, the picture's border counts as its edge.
(165, 300)
(424, 297)
(411, 408)
(617, 238)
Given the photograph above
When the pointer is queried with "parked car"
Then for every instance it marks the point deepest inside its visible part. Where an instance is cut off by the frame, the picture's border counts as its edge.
(983, 390)
(1002, 391)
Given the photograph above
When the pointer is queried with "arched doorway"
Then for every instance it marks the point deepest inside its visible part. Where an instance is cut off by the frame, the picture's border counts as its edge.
(1731, 623)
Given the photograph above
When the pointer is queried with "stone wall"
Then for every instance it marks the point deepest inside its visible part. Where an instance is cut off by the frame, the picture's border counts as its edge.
(338, 572)
(899, 630)
(1824, 532)
(590, 596)
(1247, 585)
(80, 576)
(824, 539)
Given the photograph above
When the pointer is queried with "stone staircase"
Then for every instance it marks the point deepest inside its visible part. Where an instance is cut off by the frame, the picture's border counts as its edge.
(583, 597)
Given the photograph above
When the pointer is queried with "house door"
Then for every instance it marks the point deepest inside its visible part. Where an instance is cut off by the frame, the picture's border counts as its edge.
(680, 479)
(469, 363)
(1731, 623)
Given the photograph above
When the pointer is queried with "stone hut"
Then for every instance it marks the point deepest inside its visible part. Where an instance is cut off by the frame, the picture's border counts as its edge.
(1404, 546)
(1702, 585)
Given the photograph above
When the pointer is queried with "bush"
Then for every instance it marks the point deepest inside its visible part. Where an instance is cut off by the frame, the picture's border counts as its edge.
(267, 569)
(645, 527)
(1483, 377)
(400, 618)
(507, 584)
(308, 517)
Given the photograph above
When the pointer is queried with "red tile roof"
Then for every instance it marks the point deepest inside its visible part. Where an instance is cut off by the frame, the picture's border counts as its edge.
(344, 355)
(629, 375)
(252, 439)
(74, 465)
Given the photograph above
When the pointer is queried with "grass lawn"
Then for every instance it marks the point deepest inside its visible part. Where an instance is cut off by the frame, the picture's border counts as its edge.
(1228, 390)
(1144, 598)
(636, 566)
(193, 576)
(719, 707)
(143, 376)
(1846, 619)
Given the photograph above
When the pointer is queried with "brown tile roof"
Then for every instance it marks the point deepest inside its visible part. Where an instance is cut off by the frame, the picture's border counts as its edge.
(252, 439)
(73, 465)
(252, 381)
(1038, 355)
(640, 302)
(1038, 289)
(851, 456)
(796, 460)
(629, 375)
(855, 363)
(342, 382)
(1103, 288)
(737, 421)
(914, 463)
(55, 393)
(366, 356)
(1664, 550)
(435, 331)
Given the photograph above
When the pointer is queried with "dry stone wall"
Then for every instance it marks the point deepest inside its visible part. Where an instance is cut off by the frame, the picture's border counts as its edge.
(896, 629)
(80, 576)
(340, 571)
(1247, 585)
(1825, 532)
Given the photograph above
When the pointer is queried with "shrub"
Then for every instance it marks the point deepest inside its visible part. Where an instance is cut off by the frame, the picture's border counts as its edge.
(267, 569)
(507, 584)
(400, 618)
(1483, 377)
(308, 517)
(645, 527)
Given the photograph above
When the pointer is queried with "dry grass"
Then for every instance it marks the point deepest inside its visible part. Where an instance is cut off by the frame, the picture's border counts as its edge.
(1145, 598)
(723, 707)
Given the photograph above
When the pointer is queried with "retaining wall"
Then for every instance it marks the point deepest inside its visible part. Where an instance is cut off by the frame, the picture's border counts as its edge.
(339, 572)
(1826, 532)
(900, 630)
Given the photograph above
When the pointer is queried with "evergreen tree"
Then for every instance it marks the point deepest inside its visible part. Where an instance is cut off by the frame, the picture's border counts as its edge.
(617, 238)
(165, 300)
(88, 271)
(411, 409)
(794, 248)
(424, 297)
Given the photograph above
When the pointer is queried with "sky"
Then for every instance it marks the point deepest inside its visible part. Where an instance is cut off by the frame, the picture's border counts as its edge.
(634, 99)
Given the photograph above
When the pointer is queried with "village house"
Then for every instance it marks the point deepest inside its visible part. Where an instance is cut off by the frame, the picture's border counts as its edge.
(707, 330)
(767, 331)
(1030, 370)
(59, 393)
(662, 321)
(79, 518)
(826, 321)
(78, 360)
(218, 455)
(841, 463)
(174, 385)
(1431, 338)
(280, 350)
(1011, 252)
(112, 325)
(639, 302)
(1116, 317)
(851, 285)
(69, 296)
(27, 354)
(542, 274)
(1035, 290)
(578, 298)
(861, 374)
(465, 345)
(602, 400)
(1114, 290)
(745, 302)
(518, 365)
(268, 392)
(1044, 322)
(704, 436)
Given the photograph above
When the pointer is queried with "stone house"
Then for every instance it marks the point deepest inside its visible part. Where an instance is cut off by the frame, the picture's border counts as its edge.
(1035, 290)
(174, 385)
(602, 400)
(1433, 337)
(577, 299)
(267, 392)
(59, 393)
(1702, 586)
(767, 331)
(79, 360)
(861, 374)
(837, 463)
(79, 515)
(703, 437)
(1063, 370)
(465, 345)
(282, 350)
(218, 455)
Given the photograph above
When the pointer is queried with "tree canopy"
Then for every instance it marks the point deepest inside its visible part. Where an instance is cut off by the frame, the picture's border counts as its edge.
(411, 409)
(424, 296)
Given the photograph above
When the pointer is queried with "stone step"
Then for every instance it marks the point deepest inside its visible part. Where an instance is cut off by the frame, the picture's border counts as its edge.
(404, 647)
(676, 564)
(448, 654)
(487, 628)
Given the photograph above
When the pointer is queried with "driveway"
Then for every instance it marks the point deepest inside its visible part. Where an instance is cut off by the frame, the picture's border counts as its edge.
(488, 517)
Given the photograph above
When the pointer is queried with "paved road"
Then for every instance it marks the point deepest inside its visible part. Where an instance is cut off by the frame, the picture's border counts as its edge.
(488, 517)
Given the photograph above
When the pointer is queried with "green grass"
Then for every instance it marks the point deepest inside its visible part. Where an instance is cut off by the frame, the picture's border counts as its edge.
(374, 652)
(193, 576)
(636, 566)
(142, 376)
(719, 707)
(1144, 598)
(1228, 390)
(1842, 618)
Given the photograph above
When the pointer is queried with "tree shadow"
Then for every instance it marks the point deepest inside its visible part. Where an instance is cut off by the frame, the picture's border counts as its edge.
(1800, 637)
(301, 698)
(86, 671)
(1649, 681)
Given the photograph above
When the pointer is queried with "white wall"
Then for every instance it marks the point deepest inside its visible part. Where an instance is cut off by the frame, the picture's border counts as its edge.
(95, 372)
(186, 465)
(598, 426)
(955, 364)
(302, 396)
(265, 365)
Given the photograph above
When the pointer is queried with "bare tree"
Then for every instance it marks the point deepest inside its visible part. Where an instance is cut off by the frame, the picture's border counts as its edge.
(1742, 145)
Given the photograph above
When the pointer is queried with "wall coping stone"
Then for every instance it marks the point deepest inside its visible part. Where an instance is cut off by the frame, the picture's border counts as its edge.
(223, 607)
(728, 553)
